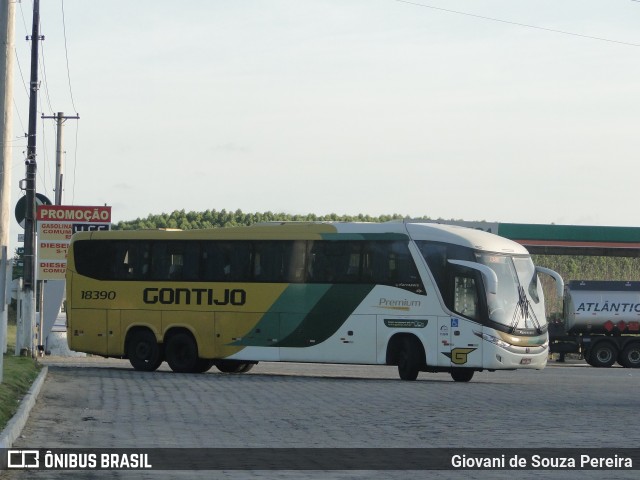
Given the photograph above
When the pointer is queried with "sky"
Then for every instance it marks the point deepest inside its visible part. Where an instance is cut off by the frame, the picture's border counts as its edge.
(339, 106)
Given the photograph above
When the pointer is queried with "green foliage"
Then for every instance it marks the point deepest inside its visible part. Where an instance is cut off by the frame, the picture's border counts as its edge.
(591, 268)
(18, 375)
(583, 268)
(218, 219)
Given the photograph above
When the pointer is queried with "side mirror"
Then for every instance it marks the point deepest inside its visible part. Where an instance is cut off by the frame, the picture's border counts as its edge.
(556, 276)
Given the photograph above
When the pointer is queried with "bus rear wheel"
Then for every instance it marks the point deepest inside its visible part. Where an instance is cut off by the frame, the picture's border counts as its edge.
(143, 351)
(234, 366)
(203, 365)
(181, 352)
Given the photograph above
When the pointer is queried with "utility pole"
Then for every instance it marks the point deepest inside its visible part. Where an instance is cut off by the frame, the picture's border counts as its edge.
(60, 118)
(30, 183)
(7, 21)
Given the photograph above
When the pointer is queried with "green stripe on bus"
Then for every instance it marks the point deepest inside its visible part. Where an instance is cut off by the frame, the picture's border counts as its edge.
(364, 236)
(305, 315)
(285, 315)
(327, 315)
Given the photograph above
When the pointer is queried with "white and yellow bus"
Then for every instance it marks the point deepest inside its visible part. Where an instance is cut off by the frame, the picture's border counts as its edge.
(423, 297)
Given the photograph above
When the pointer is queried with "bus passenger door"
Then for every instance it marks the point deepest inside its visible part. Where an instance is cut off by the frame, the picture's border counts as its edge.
(458, 345)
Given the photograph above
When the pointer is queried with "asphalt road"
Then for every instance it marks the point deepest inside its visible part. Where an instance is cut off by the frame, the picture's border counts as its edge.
(106, 404)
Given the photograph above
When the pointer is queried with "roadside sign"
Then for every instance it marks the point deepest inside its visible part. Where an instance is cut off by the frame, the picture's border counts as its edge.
(56, 225)
(21, 207)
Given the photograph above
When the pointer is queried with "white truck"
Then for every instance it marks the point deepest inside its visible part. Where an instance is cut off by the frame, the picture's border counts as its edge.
(601, 321)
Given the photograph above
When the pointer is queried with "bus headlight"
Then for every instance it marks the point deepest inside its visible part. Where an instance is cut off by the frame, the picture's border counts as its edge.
(492, 339)
(532, 349)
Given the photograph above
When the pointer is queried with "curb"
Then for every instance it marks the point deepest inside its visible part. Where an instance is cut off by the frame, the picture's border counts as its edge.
(16, 424)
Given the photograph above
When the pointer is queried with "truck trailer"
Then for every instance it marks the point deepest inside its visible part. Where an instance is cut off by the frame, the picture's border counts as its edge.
(601, 321)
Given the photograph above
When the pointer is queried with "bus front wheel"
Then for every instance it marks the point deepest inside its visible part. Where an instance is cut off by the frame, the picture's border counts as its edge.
(143, 351)
(181, 353)
(409, 359)
(462, 374)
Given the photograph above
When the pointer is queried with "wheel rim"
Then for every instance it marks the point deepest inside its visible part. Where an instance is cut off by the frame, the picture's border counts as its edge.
(634, 356)
(143, 351)
(604, 355)
(182, 353)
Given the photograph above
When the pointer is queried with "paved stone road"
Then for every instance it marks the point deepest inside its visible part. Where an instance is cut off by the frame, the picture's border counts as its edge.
(104, 403)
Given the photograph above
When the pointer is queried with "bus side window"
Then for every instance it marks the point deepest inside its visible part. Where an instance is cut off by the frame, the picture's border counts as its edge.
(138, 260)
(332, 262)
(318, 269)
(213, 262)
(268, 261)
(237, 261)
(190, 262)
(95, 259)
(465, 296)
(295, 261)
(160, 261)
(175, 256)
(390, 263)
(345, 258)
(125, 261)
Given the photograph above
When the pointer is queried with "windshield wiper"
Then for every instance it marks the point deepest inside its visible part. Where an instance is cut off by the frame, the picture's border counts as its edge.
(524, 310)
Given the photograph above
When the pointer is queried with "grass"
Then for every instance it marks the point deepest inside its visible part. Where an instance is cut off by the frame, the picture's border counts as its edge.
(18, 375)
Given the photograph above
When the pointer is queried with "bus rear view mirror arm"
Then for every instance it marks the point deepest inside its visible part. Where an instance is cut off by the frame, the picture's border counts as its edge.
(489, 276)
(556, 276)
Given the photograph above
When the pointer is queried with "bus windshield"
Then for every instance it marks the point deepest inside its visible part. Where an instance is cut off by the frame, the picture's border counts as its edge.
(518, 302)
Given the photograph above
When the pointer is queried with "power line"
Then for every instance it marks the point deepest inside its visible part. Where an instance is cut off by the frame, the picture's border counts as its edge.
(66, 53)
(24, 83)
(15, 105)
(482, 17)
(44, 75)
(24, 21)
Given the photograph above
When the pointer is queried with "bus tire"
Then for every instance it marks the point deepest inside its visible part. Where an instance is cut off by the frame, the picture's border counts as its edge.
(246, 367)
(203, 365)
(181, 353)
(234, 366)
(630, 356)
(143, 350)
(462, 374)
(409, 363)
(603, 355)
